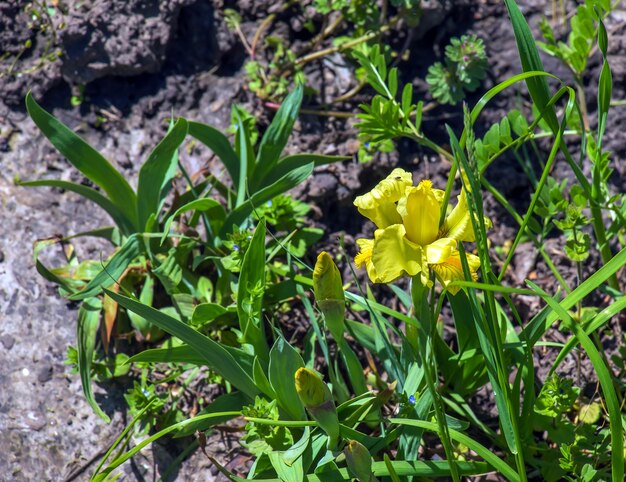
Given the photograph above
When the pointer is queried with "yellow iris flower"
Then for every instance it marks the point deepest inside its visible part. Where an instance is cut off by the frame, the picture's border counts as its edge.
(408, 240)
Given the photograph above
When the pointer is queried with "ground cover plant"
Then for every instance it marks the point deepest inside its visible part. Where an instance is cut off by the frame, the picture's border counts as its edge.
(370, 392)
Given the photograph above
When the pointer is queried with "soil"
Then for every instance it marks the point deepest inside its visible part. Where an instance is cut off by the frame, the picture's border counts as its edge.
(131, 64)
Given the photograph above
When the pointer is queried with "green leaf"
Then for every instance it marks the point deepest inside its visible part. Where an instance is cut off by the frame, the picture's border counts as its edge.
(392, 82)
(102, 476)
(250, 294)
(203, 205)
(275, 138)
(157, 172)
(246, 157)
(529, 57)
(85, 158)
(604, 377)
(489, 457)
(206, 312)
(214, 354)
(86, 331)
(218, 143)
(116, 266)
(284, 362)
(296, 161)
(186, 354)
(118, 215)
(284, 184)
(261, 380)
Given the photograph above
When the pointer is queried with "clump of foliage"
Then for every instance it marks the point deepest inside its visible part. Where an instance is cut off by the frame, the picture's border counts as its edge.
(44, 21)
(461, 72)
(370, 384)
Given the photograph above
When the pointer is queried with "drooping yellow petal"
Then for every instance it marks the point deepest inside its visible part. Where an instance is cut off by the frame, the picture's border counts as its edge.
(364, 258)
(379, 205)
(452, 269)
(394, 255)
(419, 208)
(440, 250)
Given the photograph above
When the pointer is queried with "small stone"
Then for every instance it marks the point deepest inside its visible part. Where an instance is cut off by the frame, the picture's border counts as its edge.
(35, 421)
(44, 374)
(25, 372)
(7, 341)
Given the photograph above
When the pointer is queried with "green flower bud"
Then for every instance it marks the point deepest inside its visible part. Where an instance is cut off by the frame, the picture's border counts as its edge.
(327, 279)
(311, 388)
(359, 461)
(329, 295)
(316, 397)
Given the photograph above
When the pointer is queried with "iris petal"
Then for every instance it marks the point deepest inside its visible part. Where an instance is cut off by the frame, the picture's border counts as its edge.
(379, 205)
(419, 209)
(452, 269)
(440, 250)
(458, 224)
(394, 255)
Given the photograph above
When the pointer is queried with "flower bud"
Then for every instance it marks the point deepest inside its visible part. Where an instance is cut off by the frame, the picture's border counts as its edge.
(359, 461)
(316, 397)
(329, 295)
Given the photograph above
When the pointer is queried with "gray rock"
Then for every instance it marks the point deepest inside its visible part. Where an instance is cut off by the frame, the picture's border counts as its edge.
(118, 38)
(7, 341)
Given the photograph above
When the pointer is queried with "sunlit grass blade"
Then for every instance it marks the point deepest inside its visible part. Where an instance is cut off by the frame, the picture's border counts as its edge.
(540, 323)
(275, 138)
(138, 417)
(485, 314)
(571, 103)
(214, 354)
(86, 331)
(492, 459)
(295, 161)
(284, 184)
(529, 57)
(157, 172)
(605, 379)
(102, 476)
(85, 158)
(596, 323)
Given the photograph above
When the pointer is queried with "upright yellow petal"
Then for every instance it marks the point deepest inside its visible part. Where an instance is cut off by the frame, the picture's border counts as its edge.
(452, 269)
(379, 205)
(394, 255)
(419, 208)
(458, 224)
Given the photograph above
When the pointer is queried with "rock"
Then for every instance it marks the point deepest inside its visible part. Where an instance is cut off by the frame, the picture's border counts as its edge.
(44, 374)
(118, 38)
(7, 341)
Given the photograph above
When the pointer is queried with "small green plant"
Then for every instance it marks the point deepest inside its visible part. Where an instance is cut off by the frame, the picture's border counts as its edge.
(274, 65)
(191, 265)
(44, 21)
(369, 389)
(463, 69)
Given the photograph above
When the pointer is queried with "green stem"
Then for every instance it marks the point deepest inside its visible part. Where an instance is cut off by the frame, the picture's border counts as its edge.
(421, 306)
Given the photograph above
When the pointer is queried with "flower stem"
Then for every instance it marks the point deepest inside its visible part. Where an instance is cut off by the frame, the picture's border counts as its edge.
(425, 345)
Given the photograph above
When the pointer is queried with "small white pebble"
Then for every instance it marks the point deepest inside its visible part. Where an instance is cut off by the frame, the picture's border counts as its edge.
(25, 372)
